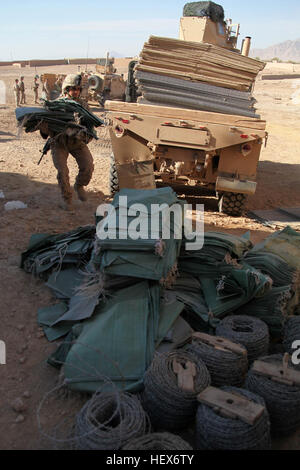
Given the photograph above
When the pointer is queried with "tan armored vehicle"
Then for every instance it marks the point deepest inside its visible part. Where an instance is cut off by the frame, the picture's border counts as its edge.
(51, 85)
(194, 123)
(106, 84)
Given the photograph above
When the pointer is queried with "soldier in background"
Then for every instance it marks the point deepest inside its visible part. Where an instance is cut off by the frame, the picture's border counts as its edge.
(22, 91)
(36, 89)
(17, 92)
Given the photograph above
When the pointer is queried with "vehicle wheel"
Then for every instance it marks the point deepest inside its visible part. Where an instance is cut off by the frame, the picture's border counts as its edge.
(232, 203)
(95, 83)
(113, 177)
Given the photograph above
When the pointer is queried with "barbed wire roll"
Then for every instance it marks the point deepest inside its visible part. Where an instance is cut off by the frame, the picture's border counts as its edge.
(170, 407)
(215, 432)
(225, 367)
(251, 332)
(282, 400)
(158, 441)
(291, 333)
(109, 420)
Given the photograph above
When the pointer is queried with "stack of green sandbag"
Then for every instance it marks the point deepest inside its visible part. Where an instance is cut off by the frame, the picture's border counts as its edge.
(219, 253)
(232, 281)
(111, 306)
(235, 277)
(285, 245)
(47, 252)
(151, 257)
(278, 256)
(119, 297)
(120, 339)
(233, 290)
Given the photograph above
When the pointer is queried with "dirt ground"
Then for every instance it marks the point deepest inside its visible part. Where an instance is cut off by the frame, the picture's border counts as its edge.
(26, 374)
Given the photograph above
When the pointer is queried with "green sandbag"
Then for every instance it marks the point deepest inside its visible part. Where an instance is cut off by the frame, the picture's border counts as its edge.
(65, 105)
(286, 245)
(59, 115)
(233, 290)
(48, 315)
(187, 290)
(214, 11)
(142, 258)
(281, 273)
(119, 341)
(272, 308)
(47, 252)
(218, 255)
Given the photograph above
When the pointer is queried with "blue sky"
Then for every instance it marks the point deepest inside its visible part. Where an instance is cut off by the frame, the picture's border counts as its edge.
(55, 29)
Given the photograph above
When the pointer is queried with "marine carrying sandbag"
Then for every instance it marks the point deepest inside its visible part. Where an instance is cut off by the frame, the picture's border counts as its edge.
(214, 11)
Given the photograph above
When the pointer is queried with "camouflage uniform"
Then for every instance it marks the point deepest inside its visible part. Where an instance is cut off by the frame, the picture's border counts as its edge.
(74, 143)
(22, 91)
(36, 90)
(77, 147)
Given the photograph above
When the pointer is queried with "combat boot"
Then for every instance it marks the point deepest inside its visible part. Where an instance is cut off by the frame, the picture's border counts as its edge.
(66, 204)
(81, 193)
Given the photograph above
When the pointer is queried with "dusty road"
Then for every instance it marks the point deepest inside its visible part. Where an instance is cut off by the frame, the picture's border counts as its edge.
(26, 373)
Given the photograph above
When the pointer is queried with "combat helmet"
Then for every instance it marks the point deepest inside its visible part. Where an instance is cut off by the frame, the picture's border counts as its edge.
(70, 81)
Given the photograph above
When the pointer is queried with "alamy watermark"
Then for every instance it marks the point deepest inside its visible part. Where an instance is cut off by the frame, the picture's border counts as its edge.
(2, 353)
(296, 354)
(163, 222)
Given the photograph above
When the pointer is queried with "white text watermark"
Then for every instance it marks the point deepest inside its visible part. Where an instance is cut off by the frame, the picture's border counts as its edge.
(296, 354)
(161, 221)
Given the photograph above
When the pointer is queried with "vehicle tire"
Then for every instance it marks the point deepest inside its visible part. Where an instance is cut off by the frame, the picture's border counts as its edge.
(232, 203)
(95, 83)
(113, 177)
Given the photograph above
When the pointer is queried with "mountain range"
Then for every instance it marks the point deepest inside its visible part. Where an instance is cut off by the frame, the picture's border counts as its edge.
(285, 51)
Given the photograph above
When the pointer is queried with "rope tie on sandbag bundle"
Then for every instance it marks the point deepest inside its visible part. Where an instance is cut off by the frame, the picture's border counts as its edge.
(158, 441)
(249, 331)
(227, 362)
(171, 385)
(276, 380)
(170, 279)
(109, 420)
(215, 431)
(93, 284)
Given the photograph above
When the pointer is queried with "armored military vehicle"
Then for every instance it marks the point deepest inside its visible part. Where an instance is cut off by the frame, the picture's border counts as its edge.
(193, 124)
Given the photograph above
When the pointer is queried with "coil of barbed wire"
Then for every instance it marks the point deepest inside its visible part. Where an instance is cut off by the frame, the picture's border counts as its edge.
(109, 420)
(291, 333)
(169, 406)
(251, 332)
(282, 400)
(216, 432)
(158, 441)
(225, 367)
